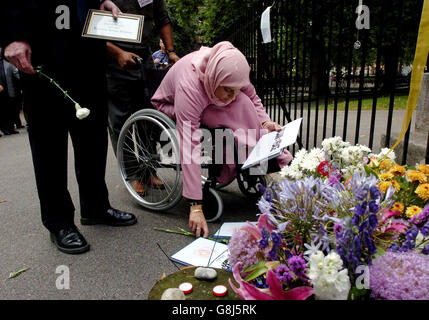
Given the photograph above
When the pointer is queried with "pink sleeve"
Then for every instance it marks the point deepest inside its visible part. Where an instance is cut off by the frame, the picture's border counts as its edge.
(189, 105)
(260, 109)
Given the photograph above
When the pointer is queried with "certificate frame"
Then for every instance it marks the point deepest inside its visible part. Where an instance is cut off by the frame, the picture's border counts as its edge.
(86, 32)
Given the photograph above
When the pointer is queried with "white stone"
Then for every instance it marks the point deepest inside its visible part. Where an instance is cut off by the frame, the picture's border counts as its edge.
(202, 273)
(173, 294)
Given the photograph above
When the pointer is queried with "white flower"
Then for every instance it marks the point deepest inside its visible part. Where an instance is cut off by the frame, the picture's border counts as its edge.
(81, 113)
(386, 153)
(329, 282)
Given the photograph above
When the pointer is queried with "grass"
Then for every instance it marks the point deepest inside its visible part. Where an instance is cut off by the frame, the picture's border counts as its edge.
(400, 102)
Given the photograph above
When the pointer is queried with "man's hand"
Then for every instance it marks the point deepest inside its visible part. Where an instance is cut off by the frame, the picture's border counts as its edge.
(19, 54)
(1, 88)
(110, 6)
(197, 222)
(126, 61)
(173, 58)
(271, 126)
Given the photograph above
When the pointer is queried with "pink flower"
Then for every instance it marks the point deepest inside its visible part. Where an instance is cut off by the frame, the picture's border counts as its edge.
(274, 292)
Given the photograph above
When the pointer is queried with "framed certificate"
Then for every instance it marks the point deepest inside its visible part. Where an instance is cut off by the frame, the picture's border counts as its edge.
(101, 25)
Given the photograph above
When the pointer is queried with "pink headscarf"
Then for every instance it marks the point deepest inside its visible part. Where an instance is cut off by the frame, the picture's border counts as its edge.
(222, 65)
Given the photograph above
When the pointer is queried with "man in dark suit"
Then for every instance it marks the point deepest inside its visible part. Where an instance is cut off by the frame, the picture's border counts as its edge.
(32, 36)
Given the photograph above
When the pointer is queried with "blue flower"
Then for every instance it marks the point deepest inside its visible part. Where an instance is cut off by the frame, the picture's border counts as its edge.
(373, 207)
(374, 192)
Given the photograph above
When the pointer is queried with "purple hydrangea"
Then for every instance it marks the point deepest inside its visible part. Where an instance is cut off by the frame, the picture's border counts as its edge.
(243, 248)
(400, 276)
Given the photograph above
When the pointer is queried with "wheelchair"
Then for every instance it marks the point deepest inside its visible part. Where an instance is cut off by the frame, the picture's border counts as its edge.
(148, 145)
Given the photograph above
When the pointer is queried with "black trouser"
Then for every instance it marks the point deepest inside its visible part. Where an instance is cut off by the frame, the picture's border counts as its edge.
(6, 113)
(16, 104)
(51, 119)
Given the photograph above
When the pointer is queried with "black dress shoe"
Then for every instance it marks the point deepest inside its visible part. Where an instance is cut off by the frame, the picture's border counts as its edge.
(13, 131)
(69, 240)
(112, 217)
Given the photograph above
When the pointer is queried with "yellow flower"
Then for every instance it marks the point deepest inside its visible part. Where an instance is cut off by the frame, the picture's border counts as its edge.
(415, 175)
(423, 191)
(423, 168)
(397, 206)
(395, 184)
(384, 185)
(385, 164)
(412, 211)
(386, 176)
(397, 170)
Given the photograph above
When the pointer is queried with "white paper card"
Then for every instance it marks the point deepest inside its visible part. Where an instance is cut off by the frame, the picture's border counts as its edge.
(228, 228)
(198, 253)
(272, 144)
(265, 26)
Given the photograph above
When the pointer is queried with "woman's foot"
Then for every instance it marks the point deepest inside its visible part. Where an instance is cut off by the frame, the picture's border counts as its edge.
(155, 182)
(138, 186)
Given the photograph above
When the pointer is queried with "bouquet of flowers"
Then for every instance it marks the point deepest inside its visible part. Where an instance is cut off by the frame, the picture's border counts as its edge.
(411, 185)
(330, 224)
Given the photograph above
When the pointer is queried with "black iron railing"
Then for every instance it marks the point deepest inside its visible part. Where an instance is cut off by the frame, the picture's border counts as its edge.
(320, 67)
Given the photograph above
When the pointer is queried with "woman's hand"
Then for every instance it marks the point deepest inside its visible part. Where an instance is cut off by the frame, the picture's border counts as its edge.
(271, 126)
(197, 222)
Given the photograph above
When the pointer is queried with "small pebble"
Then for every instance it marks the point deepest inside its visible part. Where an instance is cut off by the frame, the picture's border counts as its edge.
(173, 294)
(202, 273)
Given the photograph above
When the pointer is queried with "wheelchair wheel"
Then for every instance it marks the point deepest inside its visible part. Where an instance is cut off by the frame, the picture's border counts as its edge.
(148, 146)
(205, 174)
(212, 205)
(248, 184)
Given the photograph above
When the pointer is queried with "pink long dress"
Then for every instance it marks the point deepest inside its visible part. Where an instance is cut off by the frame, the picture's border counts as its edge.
(183, 98)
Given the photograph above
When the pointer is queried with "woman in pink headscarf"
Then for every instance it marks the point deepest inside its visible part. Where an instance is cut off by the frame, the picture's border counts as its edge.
(211, 87)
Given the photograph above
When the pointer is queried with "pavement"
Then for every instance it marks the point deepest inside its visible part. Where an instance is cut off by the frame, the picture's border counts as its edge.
(123, 263)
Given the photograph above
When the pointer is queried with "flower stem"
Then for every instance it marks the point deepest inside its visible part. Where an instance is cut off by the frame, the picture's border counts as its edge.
(38, 71)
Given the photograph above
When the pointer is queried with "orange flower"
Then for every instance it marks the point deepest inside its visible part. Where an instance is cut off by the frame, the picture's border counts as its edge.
(385, 164)
(395, 184)
(386, 176)
(412, 211)
(423, 191)
(415, 175)
(397, 170)
(384, 185)
(423, 168)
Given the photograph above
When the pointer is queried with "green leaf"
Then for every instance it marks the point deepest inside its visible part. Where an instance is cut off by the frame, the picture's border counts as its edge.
(258, 272)
(17, 273)
(260, 264)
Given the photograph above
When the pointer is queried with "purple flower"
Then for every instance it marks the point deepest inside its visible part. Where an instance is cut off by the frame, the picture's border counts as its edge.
(400, 276)
(374, 192)
(425, 229)
(243, 249)
(264, 242)
(355, 220)
(422, 217)
(373, 207)
(338, 228)
(360, 209)
(426, 249)
(298, 266)
(373, 221)
(284, 274)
